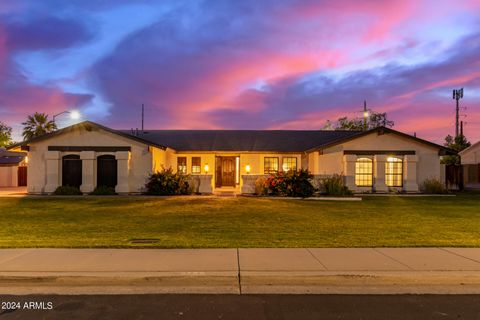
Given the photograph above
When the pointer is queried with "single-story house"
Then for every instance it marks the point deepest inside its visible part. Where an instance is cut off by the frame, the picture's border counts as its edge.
(13, 169)
(470, 160)
(87, 155)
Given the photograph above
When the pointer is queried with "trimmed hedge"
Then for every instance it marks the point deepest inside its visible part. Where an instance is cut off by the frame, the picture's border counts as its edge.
(67, 191)
(103, 191)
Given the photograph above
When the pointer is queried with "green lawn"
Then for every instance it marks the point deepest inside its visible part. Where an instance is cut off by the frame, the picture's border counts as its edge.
(192, 222)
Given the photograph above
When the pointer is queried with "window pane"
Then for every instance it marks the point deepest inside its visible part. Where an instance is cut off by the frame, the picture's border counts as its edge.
(182, 165)
(196, 165)
(394, 172)
(270, 165)
(364, 172)
(289, 163)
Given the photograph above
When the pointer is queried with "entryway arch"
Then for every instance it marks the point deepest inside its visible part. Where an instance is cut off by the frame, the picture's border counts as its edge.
(106, 171)
(71, 170)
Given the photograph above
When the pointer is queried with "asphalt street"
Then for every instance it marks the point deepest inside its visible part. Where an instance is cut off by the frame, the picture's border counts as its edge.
(250, 307)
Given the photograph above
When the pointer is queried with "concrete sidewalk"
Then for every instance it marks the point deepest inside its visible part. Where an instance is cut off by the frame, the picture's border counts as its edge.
(362, 270)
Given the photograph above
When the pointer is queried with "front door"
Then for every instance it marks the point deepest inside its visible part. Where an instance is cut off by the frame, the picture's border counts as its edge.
(225, 171)
(228, 171)
(22, 176)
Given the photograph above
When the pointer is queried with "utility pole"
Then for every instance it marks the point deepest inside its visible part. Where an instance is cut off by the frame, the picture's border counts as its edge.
(142, 116)
(365, 115)
(457, 95)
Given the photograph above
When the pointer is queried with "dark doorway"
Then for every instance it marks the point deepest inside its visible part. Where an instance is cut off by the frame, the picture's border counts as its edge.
(71, 170)
(228, 171)
(22, 176)
(106, 171)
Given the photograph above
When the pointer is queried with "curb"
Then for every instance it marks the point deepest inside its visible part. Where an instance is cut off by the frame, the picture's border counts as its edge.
(247, 282)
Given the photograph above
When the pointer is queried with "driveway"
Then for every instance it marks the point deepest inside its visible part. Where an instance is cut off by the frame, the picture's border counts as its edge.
(13, 191)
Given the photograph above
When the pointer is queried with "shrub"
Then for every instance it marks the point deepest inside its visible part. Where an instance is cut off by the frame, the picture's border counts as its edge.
(289, 184)
(166, 182)
(67, 191)
(261, 188)
(433, 186)
(334, 186)
(103, 191)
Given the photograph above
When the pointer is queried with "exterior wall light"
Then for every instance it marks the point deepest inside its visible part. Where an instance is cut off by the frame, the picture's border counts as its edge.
(206, 168)
(247, 168)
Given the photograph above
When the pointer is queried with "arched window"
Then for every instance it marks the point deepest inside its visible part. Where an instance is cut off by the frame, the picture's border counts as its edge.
(364, 172)
(106, 171)
(71, 170)
(394, 172)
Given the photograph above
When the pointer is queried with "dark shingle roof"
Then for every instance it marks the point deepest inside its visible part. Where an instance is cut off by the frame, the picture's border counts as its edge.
(10, 157)
(241, 140)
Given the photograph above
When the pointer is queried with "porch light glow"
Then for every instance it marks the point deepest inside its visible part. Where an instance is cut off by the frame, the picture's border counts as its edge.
(247, 168)
(206, 168)
(26, 159)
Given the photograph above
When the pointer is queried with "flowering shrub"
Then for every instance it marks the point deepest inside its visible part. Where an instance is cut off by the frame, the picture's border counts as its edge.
(261, 187)
(286, 184)
(166, 182)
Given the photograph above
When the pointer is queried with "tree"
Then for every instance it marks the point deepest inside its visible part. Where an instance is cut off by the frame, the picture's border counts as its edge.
(37, 125)
(458, 143)
(5, 135)
(375, 120)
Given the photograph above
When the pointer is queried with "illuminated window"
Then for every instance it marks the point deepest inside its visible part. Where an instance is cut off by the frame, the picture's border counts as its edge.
(364, 172)
(270, 165)
(289, 163)
(182, 164)
(394, 172)
(196, 165)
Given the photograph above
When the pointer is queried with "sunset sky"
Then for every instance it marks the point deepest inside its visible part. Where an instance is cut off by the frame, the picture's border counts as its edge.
(246, 64)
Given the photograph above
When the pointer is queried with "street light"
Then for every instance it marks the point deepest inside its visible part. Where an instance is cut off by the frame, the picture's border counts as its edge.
(74, 114)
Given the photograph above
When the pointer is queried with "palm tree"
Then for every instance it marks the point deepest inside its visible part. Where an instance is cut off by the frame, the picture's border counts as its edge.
(37, 125)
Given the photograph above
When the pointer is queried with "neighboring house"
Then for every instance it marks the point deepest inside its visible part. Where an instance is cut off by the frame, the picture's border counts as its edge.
(13, 170)
(87, 155)
(470, 159)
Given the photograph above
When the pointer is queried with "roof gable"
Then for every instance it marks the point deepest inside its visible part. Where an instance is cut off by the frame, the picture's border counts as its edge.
(86, 125)
(381, 130)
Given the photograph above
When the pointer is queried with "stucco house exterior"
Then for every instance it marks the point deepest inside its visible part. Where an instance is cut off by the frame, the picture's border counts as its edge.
(12, 168)
(89, 155)
(470, 160)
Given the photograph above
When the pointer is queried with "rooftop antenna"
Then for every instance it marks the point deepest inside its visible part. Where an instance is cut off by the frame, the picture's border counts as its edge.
(457, 95)
(142, 115)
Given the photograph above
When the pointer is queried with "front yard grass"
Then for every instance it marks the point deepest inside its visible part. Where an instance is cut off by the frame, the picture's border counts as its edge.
(193, 222)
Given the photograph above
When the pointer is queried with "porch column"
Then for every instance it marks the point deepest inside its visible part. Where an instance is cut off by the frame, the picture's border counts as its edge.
(379, 163)
(88, 177)
(411, 184)
(52, 170)
(205, 183)
(122, 158)
(248, 183)
(349, 170)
